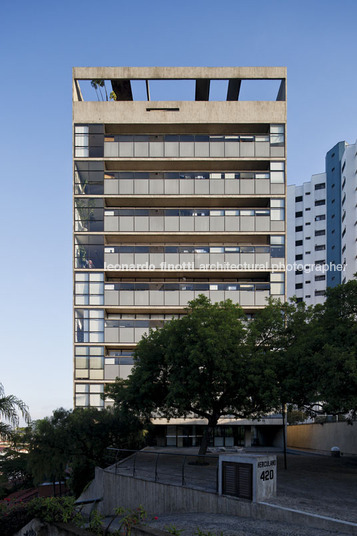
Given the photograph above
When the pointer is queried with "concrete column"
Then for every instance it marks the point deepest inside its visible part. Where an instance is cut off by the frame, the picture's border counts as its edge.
(248, 436)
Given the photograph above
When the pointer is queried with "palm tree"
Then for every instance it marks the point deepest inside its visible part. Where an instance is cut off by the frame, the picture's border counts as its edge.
(10, 406)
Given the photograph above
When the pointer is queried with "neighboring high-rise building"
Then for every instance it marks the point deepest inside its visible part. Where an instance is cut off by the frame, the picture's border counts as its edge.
(322, 228)
(172, 199)
(348, 212)
(306, 225)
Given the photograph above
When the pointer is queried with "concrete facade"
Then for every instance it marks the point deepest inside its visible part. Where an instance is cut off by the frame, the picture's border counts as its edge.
(172, 199)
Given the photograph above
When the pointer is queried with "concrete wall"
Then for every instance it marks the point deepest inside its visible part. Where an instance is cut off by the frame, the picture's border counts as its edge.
(118, 490)
(324, 437)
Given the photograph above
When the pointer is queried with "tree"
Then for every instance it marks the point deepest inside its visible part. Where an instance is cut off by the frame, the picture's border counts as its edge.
(202, 364)
(75, 442)
(10, 406)
(338, 350)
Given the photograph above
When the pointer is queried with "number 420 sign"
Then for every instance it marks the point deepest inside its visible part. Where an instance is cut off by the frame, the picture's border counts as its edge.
(267, 474)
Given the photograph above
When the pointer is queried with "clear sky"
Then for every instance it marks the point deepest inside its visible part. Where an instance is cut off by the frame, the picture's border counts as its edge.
(40, 42)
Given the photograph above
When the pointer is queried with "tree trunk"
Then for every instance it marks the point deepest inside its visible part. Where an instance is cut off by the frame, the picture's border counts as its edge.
(212, 423)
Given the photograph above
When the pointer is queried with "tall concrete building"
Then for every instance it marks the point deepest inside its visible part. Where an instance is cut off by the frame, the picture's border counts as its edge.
(322, 228)
(172, 199)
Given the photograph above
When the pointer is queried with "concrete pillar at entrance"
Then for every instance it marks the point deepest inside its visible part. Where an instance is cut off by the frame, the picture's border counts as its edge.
(248, 436)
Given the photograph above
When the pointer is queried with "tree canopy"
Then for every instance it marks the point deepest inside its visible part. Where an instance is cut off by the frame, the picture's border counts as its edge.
(213, 362)
(73, 443)
(203, 364)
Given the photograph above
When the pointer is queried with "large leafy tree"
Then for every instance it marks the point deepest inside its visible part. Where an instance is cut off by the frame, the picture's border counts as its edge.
(10, 408)
(203, 364)
(75, 442)
(338, 349)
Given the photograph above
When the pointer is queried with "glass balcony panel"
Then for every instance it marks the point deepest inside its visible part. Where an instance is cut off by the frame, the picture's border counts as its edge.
(157, 297)
(262, 186)
(126, 335)
(125, 371)
(186, 296)
(232, 223)
(156, 146)
(126, 146)
(247, 223)
(142, 297)
(262, 148)
(247, 186)
(232, 187)
(126, 297)
(141, 146)
(172, 146)
(216, 187)
(172, 187)
(111, 149)
(156, 186)
(231, 146)
(126, 223)
(187, 146)
(201, 187)
(246, 147)
(262, 223)
(202, 146)
(126, 258)
(186, 223)
(156, 223)
(141, 223)
(202, 223)
(217, 146)
(187, 187)
(141, 187)
(111, 187)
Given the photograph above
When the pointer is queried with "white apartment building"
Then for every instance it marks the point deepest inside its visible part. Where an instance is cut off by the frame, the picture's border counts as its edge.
(306, 252)
(322, 227)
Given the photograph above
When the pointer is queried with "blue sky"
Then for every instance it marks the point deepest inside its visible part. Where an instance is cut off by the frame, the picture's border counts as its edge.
(41, 41)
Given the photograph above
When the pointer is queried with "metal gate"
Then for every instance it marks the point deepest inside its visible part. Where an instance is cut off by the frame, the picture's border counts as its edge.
(237, 480)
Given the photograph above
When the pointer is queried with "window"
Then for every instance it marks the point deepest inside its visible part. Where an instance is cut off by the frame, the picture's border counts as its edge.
(320, 262)
(308, 223)
(343, 200)
(344, 232)
(344, 183)
(298, 286)
(320, 217)
(307, 252)
(298, 228)
(344, 248)
(298, 199)
(320, 277)
(321, 247)
(343, 165)
(320, 186)
(307, 209)
(298, 214)
(320, 202)
(320, 233)
(298, 300)
(298, 272)
(319, 293)
(307, 193)
(298, 257)
(343, 215)
(298, 242)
